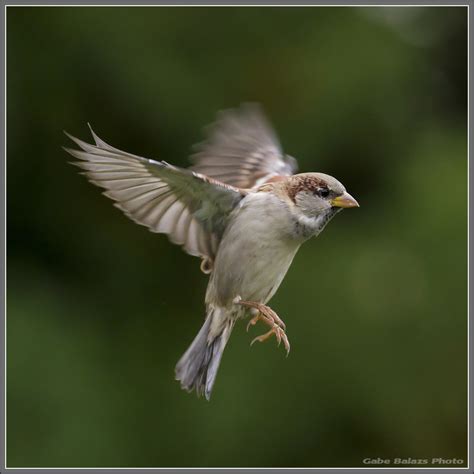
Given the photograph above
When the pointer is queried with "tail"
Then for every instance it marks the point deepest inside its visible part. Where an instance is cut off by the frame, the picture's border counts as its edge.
(198, 366)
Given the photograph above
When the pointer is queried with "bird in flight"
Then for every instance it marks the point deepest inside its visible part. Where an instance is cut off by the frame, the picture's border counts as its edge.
(240, 207)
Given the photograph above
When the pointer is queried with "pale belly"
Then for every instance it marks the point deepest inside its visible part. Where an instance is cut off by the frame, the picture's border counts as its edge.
(254, 255)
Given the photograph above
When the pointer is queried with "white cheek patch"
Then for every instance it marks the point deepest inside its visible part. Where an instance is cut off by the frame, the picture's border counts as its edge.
(310, 204)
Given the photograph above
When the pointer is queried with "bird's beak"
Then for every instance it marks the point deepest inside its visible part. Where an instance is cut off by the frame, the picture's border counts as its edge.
(344, 200)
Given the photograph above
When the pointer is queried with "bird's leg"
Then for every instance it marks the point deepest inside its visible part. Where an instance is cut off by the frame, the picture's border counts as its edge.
(268, 316)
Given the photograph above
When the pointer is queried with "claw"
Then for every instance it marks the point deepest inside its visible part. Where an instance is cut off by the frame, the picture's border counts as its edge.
(253, 322)
(279, 334)
(286, 343)
(257, 318)
(269, 317)
(272, 315)
(250, 323)
(263, 337)
(262, 310)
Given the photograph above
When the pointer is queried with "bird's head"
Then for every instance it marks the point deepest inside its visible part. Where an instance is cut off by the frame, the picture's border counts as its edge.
(316, 194)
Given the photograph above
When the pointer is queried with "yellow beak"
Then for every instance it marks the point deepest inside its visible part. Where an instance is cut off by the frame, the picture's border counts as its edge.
(345, 200)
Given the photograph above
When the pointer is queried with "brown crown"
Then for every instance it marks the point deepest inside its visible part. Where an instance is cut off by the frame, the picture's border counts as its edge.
(304, 183)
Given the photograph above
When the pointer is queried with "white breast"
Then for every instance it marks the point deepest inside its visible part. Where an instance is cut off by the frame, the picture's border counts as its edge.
(255, 252)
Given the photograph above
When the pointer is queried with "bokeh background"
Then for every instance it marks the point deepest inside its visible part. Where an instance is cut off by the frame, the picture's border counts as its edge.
(100, 309)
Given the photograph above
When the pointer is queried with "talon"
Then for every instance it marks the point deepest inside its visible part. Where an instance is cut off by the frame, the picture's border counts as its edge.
(263, 337)
(272, 315)
(262, 310)
(252, 322)
(269, 317)
(255, 319)
(286, 343)
(279, 334)
(277, 330)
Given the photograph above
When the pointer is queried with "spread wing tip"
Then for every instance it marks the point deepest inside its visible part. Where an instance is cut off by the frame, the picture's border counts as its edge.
(189, 207)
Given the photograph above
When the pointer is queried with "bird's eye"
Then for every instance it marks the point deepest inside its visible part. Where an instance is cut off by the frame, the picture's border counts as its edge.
(323, 192)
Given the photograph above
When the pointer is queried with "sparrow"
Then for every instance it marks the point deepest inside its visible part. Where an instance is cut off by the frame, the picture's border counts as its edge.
(240, 207)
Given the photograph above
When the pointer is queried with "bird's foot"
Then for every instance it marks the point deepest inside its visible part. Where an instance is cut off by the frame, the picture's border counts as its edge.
(269, 317)
(263, 312)
(279, 334)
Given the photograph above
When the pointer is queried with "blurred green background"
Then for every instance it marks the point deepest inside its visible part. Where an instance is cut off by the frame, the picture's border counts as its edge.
(100, 309)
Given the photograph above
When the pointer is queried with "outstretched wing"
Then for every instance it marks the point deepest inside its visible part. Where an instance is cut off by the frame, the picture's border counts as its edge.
(191, 208)
(242, 149)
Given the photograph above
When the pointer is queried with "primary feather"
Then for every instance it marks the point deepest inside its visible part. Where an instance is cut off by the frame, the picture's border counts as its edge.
(191, 208)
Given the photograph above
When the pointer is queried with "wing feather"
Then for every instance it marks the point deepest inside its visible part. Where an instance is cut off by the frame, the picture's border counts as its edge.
(191, 208)
(242, 149)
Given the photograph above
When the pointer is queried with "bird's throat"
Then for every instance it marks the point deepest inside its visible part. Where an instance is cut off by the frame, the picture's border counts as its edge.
(307, 227)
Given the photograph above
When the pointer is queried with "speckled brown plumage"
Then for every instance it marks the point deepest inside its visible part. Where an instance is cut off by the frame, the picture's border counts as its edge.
(290, 186)
(304, 182)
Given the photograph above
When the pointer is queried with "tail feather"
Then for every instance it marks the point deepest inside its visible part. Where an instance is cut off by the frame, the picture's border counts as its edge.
(197, 368)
